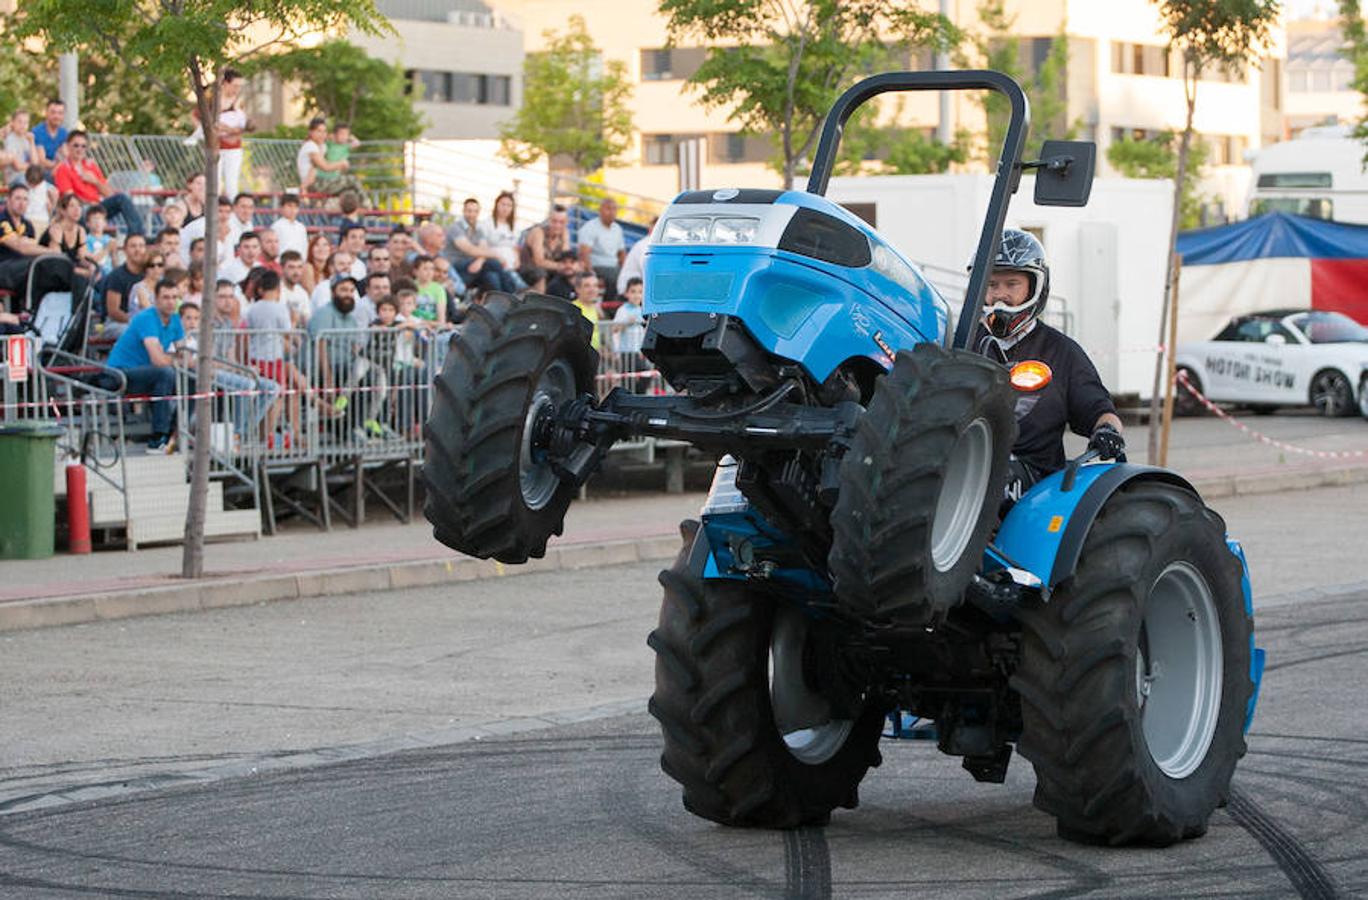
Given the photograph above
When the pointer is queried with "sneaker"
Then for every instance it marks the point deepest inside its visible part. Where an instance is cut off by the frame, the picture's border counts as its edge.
(158, 443)
(373, 428)
(340, 404)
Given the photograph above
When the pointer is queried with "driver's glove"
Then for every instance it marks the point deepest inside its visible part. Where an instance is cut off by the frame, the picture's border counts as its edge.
(1108, 443)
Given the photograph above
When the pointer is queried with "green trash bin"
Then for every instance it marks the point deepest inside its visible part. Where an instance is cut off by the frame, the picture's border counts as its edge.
(28, 510)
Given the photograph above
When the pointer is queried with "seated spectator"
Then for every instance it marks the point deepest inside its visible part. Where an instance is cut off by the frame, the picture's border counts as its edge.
(503, 231)
(248, 255)
(192, 198)
(270, 250)
(587, 294)
(535, 279)
(244, 216)
(545, 242)
(119, 284)
(312, 162)
(399, 243)
(227, 241)
(562, 280)
(338, 267)
(144, 353)
(316, 261)
(50, 136)
(194, 289)
(432, 299)
(353, 241)
(173, 214)
(65, 234)
(602, 246)
(42, 198)
(83, 177)
(373, 287)
(472, 257)
(292, 292)
(290, 230)
(379, 261)
(430, 242)
(168, 243)
(197, 254)
(18, 241)
(20, 149)
(228, 323)
(143, 294)
(99, 245)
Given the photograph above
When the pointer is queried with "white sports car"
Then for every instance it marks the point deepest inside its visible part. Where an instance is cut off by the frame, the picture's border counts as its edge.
(1279, 358)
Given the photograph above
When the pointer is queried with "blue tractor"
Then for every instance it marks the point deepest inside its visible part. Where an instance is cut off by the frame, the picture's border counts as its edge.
(853, 570)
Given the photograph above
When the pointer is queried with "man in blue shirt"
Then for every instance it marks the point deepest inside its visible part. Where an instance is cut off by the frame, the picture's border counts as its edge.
(144, 354)
(50, 136)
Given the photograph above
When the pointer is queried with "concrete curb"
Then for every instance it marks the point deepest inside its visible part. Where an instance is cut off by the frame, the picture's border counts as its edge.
(219, 593)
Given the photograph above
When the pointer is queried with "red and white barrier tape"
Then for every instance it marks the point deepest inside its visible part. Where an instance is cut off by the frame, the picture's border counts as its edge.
(1260, 436)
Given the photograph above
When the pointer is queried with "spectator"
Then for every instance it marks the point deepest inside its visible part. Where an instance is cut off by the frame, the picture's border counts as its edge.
(292, 292)
(50, 137)
(502, 230)
(21, 149)
(244, 211)
(291, 231)
(143, 294)
(197, 254)
(472, 257)
(432, 300)
(83, 177)
(339, 267)
(168, 242)
(248, 397)
(193, 197)
(42, 198)
(99, 245)
(173, 214)
(629, 328)
(399, 243)
(119, 284)
(431, 240)
(226, 241)
(248, 253)
(376, 285)
(267, 346)
(227, 322)
(270, 249)
(337, 150)
(316, 261)
(194, 291)
(535, 279)
(354, 242)
(379, 261)
(144, 354)
(602, 246)
(18, 242)
(545, 242)
(562, 280)
(66, 236)
(232, 125)
(449, 282)
(635, 264)
(587, 295)
(312, 158)
(181, 279)
(340, 363)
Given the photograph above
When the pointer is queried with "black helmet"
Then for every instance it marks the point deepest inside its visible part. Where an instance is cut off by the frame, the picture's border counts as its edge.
(1019, 252)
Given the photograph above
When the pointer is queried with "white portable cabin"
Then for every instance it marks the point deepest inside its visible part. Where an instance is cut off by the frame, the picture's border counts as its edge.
(1318, 174)
(1107, 259)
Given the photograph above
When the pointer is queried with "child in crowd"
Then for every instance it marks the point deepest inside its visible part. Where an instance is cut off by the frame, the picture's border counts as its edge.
(99, 245)
(628, 322)
(431, 297)
(42, 198)
(409, 367)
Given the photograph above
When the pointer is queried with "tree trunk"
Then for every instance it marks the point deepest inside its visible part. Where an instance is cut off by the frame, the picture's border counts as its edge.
(192, 560)
(1190, 75)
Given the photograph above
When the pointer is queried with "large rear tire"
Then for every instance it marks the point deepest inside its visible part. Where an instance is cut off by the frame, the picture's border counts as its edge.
(920, 486)
(1135, 675)
(754, 729)
(489, 494)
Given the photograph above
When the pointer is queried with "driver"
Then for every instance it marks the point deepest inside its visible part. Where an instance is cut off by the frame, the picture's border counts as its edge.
(1067, 390)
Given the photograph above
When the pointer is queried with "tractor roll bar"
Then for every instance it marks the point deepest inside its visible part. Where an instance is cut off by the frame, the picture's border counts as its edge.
(1009, 161)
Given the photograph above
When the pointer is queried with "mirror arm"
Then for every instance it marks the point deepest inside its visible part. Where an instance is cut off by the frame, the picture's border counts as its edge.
(1058, 164)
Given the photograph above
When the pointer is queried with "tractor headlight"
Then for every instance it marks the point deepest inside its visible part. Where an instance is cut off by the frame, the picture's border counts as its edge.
(686, 230)
(735, 231)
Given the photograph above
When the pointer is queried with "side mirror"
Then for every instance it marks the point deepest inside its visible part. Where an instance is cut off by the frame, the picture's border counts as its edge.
(1064, 173)
(1277, 340)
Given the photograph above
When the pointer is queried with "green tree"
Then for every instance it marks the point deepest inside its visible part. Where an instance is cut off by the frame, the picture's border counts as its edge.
(868, 147)
(341, 81)
(574, 104)
(1356, 51)
(782, 63)
(1209, 35)
(181, 49)
(1158, 158)
(1000, 49)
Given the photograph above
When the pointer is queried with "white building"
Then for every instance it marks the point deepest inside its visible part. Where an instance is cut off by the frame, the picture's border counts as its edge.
(1319, 78)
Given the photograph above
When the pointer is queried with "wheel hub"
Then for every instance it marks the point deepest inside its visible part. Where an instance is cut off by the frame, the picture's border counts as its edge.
(962, 495)
(537, 480)
(805, 716)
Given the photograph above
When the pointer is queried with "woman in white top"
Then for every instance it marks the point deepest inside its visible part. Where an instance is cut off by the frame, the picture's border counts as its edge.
(503, 233)
(144, 294)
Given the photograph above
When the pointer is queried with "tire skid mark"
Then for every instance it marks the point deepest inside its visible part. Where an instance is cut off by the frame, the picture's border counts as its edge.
(1307, 876)
(807, 864)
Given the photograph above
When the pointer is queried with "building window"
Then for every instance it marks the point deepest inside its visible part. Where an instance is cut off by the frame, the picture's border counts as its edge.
(1140, 59)
(463, 87)
(663, 149)
(671, 63)
(733, 147)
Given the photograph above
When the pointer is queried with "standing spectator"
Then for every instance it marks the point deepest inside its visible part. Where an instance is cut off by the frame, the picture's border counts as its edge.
(18, 242)
(143, 294)
(545, 242)
(316, 261)
(312, 158)
(472, 258)
(270, 250)
(66, 236)
(502, 230)
(168, 242)
(244, 212)
(232, 125)
(248, 253)
(377, 285)
(50, 136)
(267, 346)
(83, 177)
(20, 147)
(291, 231)
(432, 300)
(120, 282)
(635, 264)
(354, 242)
(193, 197)
(629, 328)
(99, 245)
(42, 198)
(144, 354)
(587, 295)
(292, 292)
(339, 267)
(602, 246)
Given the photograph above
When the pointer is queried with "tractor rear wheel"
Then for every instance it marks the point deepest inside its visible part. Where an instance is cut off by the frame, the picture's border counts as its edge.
(489, 491)
(1135, 674)
(920, 486)
(760, 727)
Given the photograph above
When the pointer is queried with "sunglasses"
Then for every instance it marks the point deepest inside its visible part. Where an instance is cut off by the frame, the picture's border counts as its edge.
(156, 265)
